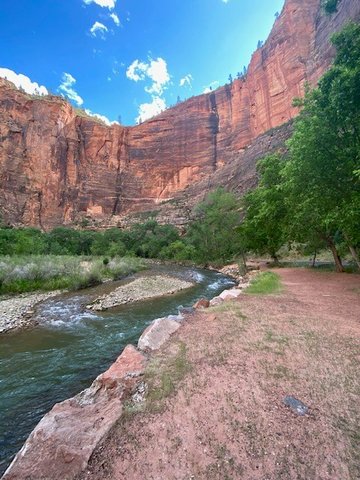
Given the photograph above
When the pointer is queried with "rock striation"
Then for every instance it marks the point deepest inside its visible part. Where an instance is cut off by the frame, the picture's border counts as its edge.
(57, 166)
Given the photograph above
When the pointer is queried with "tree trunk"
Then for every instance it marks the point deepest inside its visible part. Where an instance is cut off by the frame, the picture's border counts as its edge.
(244, 268)
(314, 259)
(275, 259)
(338, 265)
(355, 255)
(352, 250)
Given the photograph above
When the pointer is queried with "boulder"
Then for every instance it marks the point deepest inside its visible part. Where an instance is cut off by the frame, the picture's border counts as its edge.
(215, 301)
(61, 444)
(230, 294)
(186, 310)
(157, 333)
(202, 303)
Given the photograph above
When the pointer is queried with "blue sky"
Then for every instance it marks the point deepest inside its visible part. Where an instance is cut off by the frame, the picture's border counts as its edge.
(129, 58)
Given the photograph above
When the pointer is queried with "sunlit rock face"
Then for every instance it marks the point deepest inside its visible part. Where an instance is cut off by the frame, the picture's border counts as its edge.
(57, 167)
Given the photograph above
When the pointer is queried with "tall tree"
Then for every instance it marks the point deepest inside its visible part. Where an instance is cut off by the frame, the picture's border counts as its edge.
(213, 234)
(263, 230)
(322, 174)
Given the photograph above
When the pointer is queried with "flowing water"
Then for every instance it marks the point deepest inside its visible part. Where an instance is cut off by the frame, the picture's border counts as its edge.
(70, 346)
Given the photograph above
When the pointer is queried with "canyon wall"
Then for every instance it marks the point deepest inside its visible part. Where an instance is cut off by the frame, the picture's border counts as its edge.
(57, 167)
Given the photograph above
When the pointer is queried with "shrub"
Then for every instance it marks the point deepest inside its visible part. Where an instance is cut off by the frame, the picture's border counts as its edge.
(330, 6)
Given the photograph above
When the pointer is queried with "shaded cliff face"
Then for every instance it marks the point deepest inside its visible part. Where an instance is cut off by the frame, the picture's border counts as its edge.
(56, 167)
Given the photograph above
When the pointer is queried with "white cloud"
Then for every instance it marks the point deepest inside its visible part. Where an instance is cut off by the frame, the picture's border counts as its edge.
(211, 86)
(116, 19)
(137, 71)
(157, 73)
(225, 1)
(98, 28)
(148, 110)
(186, 81)
(154, 70)
(110, 4)
(24, 82)
(101, 117)
(66, 87)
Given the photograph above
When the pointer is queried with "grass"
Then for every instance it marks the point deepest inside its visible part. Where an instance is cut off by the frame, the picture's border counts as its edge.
(21, 274)
(264, 284)
(162, 378)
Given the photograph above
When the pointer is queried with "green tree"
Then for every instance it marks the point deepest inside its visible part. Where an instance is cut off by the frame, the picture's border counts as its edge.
(149, 238)
(63, 241)
(29, 241)
(322, 181)
(178, 251)
(213, 233)
(330, 6)
(263, 230)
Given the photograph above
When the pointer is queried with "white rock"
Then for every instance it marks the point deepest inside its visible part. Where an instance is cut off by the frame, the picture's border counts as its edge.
(157, 333)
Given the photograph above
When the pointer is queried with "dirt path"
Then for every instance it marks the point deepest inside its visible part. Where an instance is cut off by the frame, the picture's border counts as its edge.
(215, 405)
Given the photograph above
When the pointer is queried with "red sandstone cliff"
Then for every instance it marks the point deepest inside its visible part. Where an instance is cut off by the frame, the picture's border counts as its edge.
(56, 167)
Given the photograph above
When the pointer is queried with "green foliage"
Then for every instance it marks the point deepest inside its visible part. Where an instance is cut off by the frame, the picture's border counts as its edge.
(148, 240)
(264, 284)
(21, 241)
(213, 234)
(19, 274)
(263, 230)
(323, 189)
(64, 241)
(330, 6)
(119, 268)
(313, 195)
(178, 251)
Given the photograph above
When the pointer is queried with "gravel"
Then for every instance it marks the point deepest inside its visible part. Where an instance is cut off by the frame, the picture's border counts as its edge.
(140, 289)
(17, 312)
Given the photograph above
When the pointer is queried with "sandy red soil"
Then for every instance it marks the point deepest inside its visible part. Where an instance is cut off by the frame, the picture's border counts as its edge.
(215, 407)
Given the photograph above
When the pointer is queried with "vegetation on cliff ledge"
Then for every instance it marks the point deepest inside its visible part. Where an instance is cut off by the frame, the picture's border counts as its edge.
(330, 6)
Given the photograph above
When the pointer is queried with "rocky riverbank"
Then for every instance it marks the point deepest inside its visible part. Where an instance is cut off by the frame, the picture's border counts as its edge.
(17, 312)
(142, 288)
(63, 442)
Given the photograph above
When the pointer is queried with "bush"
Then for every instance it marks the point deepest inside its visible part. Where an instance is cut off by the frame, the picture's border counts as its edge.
(178, 251)
(121, 267)
(330, 6)
(26, 274)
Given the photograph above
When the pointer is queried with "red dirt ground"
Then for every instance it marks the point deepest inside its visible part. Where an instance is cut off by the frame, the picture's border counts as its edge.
(215, 404)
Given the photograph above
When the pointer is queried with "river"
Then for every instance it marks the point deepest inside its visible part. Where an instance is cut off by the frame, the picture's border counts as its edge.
(70, 346)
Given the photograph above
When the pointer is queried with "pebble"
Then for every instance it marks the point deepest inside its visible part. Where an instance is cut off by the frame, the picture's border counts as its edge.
(17, 311)
(140, 289)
